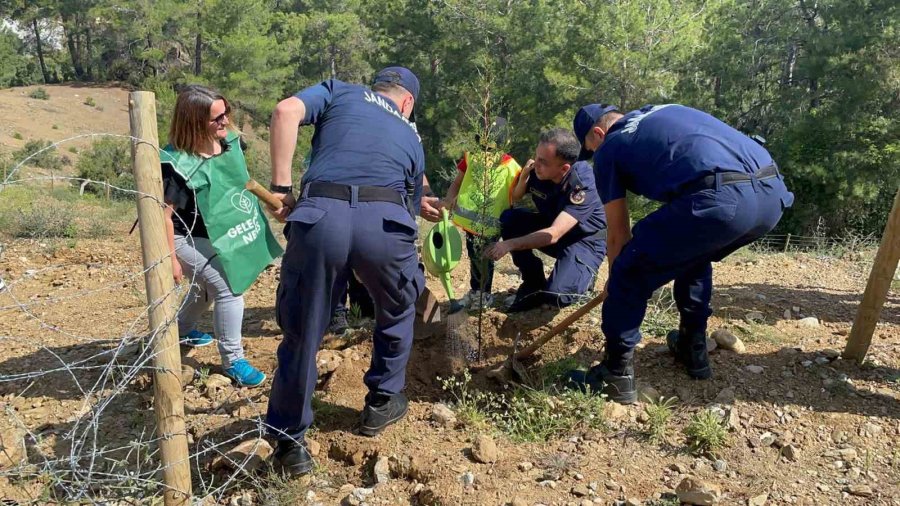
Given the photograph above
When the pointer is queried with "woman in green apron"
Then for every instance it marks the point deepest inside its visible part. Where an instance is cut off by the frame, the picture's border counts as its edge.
(219, 237)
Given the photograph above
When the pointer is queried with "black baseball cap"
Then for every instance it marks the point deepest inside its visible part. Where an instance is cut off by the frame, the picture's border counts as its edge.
(585, 119)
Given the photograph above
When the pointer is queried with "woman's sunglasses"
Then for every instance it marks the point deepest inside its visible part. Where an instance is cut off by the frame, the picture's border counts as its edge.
(220, 119)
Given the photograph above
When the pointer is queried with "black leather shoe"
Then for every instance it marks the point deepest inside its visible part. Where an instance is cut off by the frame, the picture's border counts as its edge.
(293, 457)
(382, 410)
(618, 386)
(689, 348)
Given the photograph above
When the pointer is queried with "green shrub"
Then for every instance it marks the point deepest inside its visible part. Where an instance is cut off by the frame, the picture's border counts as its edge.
(658, 414)
(17, 136)
(706, 433)
(90, 102)
(41, 153)
(40, 94)
(107, 160)
(46, 219)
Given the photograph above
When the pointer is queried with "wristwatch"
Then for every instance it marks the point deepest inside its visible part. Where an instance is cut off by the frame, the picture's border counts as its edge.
(280, 189)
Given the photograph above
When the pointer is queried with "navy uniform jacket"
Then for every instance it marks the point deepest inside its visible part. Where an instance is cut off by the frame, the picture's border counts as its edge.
(361, 139)
(657, 149)
(576, 194)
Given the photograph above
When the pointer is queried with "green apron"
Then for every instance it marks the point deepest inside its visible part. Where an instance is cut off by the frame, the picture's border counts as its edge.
(237, 226)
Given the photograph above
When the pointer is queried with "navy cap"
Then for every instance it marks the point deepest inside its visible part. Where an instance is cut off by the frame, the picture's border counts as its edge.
(585, 119)
(401, 76)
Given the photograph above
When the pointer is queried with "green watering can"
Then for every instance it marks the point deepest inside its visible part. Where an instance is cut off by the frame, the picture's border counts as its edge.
(442, 250)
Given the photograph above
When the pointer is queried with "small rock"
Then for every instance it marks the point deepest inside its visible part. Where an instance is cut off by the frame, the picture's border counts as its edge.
(614, 411)
(728, 341)
(249, 456)
(755, 369)
(726, 396)
(548, 483)
(443, 415)
(754, 317)
(382, 470)
(648, 394)
(789, 452)
(848, 454)
(831, 354)
(807, 363)
(217, 381)
(678, 468)
(518, 501)
(787, 314)
(870, 429)
(580, 491)
(809, 321)
(525, 466)
(720, 466)
(694, 491)
(12, 447)
(860, 490)
(467, 479)
(313, 447)
(484, 450)
(822, 360)
(612, 486)
(631, 501)
(767, 439)
(758, 500)
(710, 344)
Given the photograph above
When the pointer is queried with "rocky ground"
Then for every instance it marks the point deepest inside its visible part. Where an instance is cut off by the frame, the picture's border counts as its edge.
(802, 426)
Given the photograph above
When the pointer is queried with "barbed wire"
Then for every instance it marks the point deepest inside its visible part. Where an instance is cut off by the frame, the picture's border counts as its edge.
(89, 461)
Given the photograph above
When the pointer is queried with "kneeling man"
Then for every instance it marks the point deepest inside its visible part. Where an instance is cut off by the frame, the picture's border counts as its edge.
(569, 225)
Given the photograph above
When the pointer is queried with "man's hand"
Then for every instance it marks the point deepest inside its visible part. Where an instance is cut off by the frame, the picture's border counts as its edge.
(177, 271)
(431, 209)
(528, 168)
(287, 205)
(497, 250)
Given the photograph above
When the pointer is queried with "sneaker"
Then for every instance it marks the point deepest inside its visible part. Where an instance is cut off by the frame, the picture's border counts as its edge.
(244, 374)
(293, 457)
(339, 322)
(382, 410)
(689, 348)
(196, 339)
(527, 298)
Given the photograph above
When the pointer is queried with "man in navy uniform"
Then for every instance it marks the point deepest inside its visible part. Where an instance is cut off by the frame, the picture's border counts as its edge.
(569, 225)
(355, 211)
(721, 191)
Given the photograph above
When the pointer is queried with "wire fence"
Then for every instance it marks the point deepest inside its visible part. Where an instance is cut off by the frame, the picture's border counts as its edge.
(76, 362)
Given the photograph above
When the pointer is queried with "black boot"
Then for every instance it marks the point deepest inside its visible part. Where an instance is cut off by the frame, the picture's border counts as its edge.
(293, 457)
(614, 377)
(689, 348)
(338, 323)
(380, 411)
(528, 297)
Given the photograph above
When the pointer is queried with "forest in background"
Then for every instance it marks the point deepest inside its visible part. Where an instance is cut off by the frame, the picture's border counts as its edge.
(819, 80)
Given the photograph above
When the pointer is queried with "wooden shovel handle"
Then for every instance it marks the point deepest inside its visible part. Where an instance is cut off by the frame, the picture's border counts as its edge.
(263, 194)
(559, 327)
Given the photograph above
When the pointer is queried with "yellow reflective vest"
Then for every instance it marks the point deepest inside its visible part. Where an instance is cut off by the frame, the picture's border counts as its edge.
(484, 219)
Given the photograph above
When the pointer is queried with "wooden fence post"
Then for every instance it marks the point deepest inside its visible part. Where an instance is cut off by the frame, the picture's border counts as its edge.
(877, 288)
(787, 243)
(168, 398)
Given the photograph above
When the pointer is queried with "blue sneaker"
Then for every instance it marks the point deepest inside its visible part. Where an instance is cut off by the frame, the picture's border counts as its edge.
(196, 339)
(244, 374)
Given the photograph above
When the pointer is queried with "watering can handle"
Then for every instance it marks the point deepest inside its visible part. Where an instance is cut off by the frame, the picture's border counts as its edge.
(445, 217)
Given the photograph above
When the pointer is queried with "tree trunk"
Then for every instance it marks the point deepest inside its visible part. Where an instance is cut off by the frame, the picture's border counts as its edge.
(73, 48)
(40, 51)
(198, 49)
(89, 50)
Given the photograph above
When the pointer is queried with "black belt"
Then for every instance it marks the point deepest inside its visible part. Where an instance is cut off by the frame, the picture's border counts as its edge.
(709, 182)
(344, 192)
